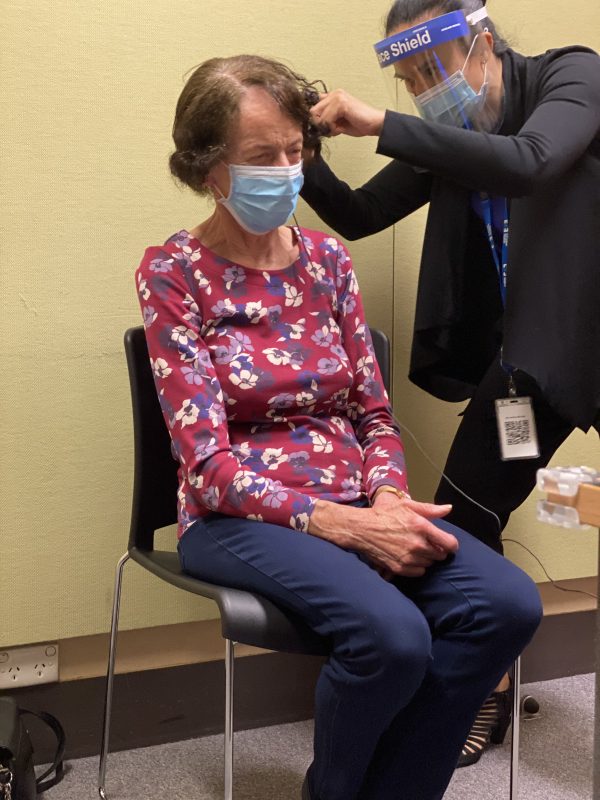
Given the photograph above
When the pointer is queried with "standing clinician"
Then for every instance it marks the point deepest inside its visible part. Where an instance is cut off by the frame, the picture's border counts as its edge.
(507, 154)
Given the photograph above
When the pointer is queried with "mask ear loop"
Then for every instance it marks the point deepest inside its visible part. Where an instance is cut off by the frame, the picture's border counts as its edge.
(470, 51)
(484, 63)
(223, 198)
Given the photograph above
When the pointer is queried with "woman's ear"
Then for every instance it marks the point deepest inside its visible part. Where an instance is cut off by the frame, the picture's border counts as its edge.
(488, 41)
(217, 181)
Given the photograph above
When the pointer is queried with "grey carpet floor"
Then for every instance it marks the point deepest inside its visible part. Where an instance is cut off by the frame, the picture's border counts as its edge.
(555, 760)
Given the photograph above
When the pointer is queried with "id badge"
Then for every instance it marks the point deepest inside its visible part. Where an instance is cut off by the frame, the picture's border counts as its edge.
(516, 428)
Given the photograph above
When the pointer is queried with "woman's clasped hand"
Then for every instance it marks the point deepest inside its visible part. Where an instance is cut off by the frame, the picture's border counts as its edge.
(396, 535)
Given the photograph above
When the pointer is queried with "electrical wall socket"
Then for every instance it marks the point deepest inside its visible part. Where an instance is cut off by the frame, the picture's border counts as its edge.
(27, 666)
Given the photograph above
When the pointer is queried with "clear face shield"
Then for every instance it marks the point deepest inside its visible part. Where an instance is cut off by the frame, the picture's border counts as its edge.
(440, 70)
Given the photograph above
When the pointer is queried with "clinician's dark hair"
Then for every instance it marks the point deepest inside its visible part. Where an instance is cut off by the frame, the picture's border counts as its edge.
(209, 105)
(407, 11)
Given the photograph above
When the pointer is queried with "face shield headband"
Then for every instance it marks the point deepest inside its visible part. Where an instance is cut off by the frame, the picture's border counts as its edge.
(426, 36)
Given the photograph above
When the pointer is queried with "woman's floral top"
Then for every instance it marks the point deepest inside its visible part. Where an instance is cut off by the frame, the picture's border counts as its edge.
(267, 380)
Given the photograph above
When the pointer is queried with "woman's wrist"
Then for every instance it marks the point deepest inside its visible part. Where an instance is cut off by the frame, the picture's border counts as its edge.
(335, 522)
(385, 489)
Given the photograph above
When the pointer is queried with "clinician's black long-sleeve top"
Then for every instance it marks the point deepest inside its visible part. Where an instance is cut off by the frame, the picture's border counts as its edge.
(546, 160)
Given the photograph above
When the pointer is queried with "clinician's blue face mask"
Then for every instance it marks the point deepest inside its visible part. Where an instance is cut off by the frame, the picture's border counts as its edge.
(262, 198)
(454, 101)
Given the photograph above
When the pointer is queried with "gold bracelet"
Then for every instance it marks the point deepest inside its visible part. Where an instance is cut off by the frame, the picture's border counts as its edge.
(398, 492)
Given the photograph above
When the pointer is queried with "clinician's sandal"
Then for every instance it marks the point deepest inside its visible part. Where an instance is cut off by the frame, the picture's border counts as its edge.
(490, 726)
(305, 790)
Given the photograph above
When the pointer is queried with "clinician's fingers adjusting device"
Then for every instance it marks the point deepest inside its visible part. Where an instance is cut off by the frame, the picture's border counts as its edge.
(311, 98)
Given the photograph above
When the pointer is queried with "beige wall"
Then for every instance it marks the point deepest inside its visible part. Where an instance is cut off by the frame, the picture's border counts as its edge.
(88, 92)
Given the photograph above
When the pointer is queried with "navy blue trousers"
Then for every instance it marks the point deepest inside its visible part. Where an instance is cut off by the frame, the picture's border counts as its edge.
(412, 661)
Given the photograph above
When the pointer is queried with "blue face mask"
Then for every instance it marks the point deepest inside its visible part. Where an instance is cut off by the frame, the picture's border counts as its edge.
(262, 198)
(453, 101)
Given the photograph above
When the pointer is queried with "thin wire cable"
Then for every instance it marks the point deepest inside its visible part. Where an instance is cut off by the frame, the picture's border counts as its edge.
(441, 472)
(489, 511)
(394, 234)
(392, 371)
(552, 581)
(306, 253)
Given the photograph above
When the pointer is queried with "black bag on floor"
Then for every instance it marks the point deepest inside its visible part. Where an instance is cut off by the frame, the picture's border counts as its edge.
(17, 777)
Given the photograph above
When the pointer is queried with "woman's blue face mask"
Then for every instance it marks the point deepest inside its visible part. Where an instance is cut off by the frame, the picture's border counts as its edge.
(262, 198)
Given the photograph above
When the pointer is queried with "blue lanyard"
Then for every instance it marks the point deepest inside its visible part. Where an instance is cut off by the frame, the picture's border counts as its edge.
(501, 260)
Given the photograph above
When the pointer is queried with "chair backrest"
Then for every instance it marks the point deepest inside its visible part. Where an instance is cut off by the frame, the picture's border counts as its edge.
(154, 502)
(381, 345)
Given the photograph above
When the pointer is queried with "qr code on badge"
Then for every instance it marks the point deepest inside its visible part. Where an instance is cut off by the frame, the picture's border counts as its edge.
(517, 431)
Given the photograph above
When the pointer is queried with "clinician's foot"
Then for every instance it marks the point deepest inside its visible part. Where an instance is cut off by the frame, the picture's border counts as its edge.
(490, 726)
(305, 790)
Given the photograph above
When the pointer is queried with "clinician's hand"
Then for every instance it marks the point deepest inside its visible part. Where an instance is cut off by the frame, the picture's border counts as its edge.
(339, 112)
(395, 535)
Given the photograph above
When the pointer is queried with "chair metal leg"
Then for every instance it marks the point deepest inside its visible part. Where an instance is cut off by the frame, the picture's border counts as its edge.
(228, 744)
(114, 627)
(516, 721)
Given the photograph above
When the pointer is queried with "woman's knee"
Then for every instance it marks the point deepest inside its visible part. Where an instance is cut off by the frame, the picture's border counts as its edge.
(400, 647)
(499, 595)
(515, 603)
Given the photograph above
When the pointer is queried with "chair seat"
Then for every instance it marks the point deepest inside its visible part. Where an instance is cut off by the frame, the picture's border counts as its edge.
(245, 617)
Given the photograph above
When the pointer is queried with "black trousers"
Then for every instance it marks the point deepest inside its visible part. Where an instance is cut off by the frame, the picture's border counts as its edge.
(474, 462)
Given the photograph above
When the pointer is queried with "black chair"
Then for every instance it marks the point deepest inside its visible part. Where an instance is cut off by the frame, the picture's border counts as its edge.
(245, 617)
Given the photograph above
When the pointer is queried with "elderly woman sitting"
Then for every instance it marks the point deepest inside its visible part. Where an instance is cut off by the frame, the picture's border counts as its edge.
(292, 477)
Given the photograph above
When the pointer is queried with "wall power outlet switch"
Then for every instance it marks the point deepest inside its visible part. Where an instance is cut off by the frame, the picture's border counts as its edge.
(28, 666)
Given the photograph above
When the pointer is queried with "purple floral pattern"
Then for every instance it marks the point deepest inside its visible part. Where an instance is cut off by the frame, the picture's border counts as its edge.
(267, 381)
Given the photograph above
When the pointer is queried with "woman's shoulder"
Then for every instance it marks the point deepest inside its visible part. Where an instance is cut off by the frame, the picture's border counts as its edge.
(179, 248)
